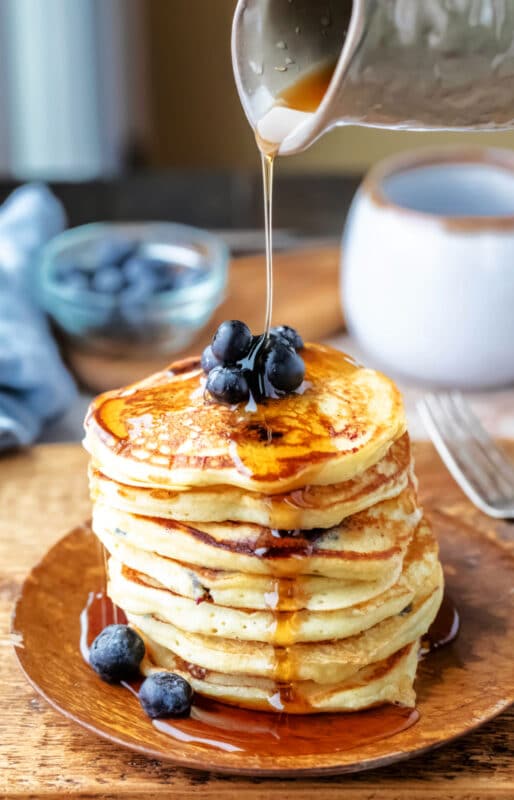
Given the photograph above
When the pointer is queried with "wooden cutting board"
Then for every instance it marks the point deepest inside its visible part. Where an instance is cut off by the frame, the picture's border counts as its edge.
(306, 296)
(43, 494)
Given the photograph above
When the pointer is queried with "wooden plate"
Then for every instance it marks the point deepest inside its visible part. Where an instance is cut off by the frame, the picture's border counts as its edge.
(459, 687)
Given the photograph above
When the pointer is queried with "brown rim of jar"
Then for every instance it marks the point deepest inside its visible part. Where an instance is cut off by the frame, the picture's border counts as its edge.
(495, 157)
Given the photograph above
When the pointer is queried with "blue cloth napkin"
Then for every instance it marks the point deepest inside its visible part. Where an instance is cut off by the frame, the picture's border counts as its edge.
(34, 384)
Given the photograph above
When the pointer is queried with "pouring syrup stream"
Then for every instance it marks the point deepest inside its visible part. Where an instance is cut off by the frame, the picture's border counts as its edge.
(268, 160)
(303, 95)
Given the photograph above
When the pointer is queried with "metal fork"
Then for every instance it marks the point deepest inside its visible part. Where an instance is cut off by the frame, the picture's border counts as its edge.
(481, 469)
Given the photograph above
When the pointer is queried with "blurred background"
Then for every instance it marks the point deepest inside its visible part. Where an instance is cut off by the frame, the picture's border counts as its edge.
(100, 88)
(140, 93)
(128, 111)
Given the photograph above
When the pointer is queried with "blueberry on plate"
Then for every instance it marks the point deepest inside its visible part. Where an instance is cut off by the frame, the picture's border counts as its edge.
(228, 385)
(209, 360)
(107, 280)
(232, 341)
(289, 335)
(113, 251)
(283, 366)
(164, 694)
(116, 653)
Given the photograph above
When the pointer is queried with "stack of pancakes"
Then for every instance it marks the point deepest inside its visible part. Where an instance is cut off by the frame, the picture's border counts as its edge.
(275, 557)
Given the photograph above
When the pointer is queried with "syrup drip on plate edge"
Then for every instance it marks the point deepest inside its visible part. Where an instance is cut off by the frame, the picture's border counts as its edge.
(231, 729)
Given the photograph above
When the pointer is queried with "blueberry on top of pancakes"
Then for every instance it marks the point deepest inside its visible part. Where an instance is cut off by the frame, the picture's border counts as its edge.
(231, 342)
(239, 365)
(290, 335)
(228, 385)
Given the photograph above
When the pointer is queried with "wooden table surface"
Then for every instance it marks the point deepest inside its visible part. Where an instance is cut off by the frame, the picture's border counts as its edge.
(43, 493)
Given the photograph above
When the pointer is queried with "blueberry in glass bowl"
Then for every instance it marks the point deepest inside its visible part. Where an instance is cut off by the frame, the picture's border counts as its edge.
(132, 289)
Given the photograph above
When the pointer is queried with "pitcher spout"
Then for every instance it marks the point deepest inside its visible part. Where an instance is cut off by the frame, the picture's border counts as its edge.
(439, 64)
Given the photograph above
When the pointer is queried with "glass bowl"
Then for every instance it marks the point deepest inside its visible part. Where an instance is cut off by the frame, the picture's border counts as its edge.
(135, 289)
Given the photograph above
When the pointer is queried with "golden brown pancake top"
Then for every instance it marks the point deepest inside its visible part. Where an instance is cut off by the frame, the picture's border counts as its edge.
(175, 435)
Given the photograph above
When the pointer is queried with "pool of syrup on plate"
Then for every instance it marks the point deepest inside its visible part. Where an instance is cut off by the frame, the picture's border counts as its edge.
(224, 727)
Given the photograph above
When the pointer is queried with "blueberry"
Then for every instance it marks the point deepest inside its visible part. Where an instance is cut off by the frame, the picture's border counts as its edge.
(141, 288)
(133, 302)
(164, 276)
(74, 278)
(209, 360)
(164, 694)
(284, 368)
(139, 269)
(113, 251)
(116, 653)
(228, 385)
(107, 280)
(289, 335)
(62, 271)
(232, 341)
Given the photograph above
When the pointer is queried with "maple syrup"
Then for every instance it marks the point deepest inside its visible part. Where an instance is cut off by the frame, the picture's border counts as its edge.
(444, 628)
(293, 107)
(304, 95)
(284, 635)
(223, 727)
(297, 431)
(307, 93)
(268, 160)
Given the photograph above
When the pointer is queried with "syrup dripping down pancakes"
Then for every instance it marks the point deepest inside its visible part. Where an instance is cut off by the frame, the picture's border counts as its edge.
(277, 558)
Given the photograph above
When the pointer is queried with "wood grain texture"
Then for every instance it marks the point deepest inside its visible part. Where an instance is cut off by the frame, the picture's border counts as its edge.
(306, 296)
(42, 494)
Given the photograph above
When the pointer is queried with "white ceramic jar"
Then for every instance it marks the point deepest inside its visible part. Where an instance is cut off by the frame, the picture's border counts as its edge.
(428, 266)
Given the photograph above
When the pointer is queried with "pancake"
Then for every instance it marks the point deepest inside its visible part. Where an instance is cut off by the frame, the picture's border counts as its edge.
(366, 546)
(161, 432)
(139, 594)
(307, 508)
(274, 555)
(387, 681)
(247, 590)
(321, 662)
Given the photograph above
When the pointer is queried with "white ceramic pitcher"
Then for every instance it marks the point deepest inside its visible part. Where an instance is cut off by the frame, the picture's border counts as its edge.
(413, 64)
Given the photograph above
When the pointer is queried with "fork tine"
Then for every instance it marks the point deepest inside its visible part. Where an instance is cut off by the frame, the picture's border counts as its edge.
(467, 454)
(494, 487)
(491, 450)
(463, 471)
